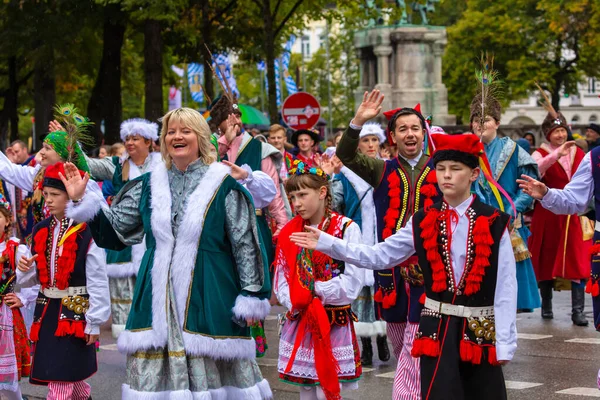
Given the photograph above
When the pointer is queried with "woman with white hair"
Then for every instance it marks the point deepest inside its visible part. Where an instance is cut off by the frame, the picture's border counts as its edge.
(201, 283)
(353, 197)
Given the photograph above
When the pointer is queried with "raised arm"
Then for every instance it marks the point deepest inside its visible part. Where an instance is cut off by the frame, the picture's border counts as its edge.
(101, 169)
(19, 175)
(393, 251)
(344, 288)
(369, 169)
(573, 199)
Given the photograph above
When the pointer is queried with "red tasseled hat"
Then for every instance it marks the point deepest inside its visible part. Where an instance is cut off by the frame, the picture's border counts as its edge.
(51, 177)
(389, 115)
(465, 148)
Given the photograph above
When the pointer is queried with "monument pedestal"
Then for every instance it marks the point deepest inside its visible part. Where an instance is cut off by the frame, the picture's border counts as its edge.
(405, 63)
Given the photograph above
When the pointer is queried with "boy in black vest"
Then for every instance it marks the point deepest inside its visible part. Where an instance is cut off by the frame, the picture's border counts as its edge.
(468, 323)
(74, 299)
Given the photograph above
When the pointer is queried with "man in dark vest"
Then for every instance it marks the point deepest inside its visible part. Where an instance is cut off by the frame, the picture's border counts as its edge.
(401, 185)
(468, 324)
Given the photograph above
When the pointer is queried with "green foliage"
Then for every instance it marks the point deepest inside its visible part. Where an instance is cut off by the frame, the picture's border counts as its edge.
(548, 41)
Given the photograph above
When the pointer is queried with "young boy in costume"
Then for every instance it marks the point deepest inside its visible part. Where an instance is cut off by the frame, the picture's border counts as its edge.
(318, 347)
(15, 360)
(468, 324)
(74, 299)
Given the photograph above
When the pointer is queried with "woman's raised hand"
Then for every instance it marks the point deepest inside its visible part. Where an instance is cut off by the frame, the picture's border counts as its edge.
(74, 182)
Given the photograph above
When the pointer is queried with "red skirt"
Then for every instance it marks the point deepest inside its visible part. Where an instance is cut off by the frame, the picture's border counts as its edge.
(22, 347)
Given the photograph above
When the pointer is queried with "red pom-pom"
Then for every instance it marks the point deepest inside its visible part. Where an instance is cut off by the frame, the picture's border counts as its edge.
(422, 298)
(34, 333)
(387, 232)
(425, 346)
(393, 180)
(466, 353)
(595, 289)
(429, 190)
(392, 297)
(394, 202)
(378, 297)
(394, 192)
(492, 359)
(432, 177)
(588, 286)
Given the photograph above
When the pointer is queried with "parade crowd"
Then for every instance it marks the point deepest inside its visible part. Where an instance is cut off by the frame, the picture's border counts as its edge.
(185, 234)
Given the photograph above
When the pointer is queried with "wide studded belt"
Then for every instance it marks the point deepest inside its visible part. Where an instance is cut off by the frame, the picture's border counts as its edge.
(458, 311)
(55, 293)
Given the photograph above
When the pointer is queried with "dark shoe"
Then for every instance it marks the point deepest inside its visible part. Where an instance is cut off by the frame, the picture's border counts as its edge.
(577, 305)
(383, 351)
(546, 293)
(366, 357)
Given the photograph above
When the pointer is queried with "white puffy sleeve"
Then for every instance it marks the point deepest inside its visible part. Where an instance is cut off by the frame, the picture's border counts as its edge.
(97, 287)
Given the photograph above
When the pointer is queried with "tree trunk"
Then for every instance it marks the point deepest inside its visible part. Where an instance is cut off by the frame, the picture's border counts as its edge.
(556, 93)
(44, 87)
(105, 102)
(270, 60)
(11, 100)
(209, 88)
(153, 69)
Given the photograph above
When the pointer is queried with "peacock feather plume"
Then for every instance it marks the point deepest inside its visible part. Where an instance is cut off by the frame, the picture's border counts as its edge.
(68, 143)
(489, 86)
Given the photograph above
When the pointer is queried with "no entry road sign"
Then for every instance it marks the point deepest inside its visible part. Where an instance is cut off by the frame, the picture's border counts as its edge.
(301, 111)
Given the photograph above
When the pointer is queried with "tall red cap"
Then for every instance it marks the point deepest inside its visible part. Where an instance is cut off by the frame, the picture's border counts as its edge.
(466, 143)
(390, 113)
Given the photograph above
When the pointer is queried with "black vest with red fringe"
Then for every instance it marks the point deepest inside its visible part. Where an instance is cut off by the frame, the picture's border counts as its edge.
(400, 194)
(476, 287)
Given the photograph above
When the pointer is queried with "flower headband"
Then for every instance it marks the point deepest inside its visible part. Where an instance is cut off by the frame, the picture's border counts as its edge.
(299, 168)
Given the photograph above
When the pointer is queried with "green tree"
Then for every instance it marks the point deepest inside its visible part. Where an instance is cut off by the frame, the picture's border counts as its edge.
(547, 41)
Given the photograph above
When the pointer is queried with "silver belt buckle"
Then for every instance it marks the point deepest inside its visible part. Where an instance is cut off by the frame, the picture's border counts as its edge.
(460, 311)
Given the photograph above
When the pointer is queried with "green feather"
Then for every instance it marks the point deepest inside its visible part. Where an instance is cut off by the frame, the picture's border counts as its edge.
(76, 129)
(489, 86)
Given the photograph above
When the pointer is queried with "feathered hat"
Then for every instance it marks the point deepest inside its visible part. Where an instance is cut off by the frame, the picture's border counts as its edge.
(220, 109)
(489, 88)
(141, 127)
(554, 119)
(67, 143)
(373, 128)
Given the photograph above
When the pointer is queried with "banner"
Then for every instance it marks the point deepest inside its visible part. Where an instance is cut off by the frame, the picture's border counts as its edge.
(195, 79)
(290, 83)
(262, 66)
(222, 66)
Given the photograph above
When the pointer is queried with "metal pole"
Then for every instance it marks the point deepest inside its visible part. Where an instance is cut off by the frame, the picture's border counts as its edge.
(329, 105)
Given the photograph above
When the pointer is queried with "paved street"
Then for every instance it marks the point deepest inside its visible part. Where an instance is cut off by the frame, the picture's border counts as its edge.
(555, 360)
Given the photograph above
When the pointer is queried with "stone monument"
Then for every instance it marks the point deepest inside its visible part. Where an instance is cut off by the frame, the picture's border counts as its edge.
(404, 62)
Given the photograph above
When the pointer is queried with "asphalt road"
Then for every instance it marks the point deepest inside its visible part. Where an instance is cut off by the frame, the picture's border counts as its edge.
(554, 360)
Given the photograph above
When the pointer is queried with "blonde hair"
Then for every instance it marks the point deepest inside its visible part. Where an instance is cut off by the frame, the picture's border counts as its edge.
(193, 120)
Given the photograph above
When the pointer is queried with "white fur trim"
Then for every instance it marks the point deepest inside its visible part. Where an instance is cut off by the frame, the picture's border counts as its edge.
(139, 126)
(117, 330)
(260, 391)
(86, 209)
(222, 349)
(370, 329)
(132, 341)
(251, 307)
(372, 128)
(188, 237)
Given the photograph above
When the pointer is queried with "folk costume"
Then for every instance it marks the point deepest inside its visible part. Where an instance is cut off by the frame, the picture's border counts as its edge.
(507, 162)
(469, 318)
(400, 188)
(122, 266)
(574, 199)
(318, 345)
(353, 197)
(201, 278)
(15, 359)
(73, 301)
(558, 249)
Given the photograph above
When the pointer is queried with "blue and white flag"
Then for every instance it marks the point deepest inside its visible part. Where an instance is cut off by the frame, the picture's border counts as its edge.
(262, 66)
(290, 83)
(195, 78)
(222, 65)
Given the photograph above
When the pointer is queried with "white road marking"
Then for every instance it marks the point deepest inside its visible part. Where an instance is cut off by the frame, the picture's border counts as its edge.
(532, 336)
(267, 362)
(109, 347)
(584, 340)
(387, 375)
(521, 385)
(581, 391)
